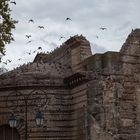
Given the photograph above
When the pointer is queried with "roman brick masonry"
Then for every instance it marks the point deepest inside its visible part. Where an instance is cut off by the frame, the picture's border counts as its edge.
(82, 96)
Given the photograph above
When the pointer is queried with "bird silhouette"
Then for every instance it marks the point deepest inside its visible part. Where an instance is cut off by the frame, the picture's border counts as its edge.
(19, 59)
(5, 63)
(68, 18)
(9, 61)
(31, 20)
(61, 38)
(39, 48)
(29, 53)
(97, 36)
(41, 27)
(13, 2)
(28, 36)
(103, 28)
(34, 51)
(29, 42)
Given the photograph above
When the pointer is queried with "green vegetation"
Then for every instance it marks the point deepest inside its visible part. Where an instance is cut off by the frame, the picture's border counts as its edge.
(6, 25)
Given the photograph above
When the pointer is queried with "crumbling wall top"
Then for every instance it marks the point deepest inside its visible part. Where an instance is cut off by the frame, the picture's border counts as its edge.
(132, 44)
(39, 73)
(65, 48)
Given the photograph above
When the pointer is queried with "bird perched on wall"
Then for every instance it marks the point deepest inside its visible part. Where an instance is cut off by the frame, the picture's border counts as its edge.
(31, 20)
(28, 36)
(103, 28)
(68, 18)
(39, 48)
(41, 27)
(13, 2)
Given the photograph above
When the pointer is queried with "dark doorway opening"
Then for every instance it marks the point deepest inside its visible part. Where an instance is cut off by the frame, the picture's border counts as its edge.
(8, 133)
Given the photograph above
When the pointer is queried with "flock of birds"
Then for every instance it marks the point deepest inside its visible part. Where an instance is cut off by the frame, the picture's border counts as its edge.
(42, 27)
(28, 36)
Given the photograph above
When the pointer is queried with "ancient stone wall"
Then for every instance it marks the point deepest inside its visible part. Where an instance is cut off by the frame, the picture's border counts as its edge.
(113, 96)
(102, 93)
(128, 102)
(57, 112)
(70, 53)
(91, 97)
(79, 102)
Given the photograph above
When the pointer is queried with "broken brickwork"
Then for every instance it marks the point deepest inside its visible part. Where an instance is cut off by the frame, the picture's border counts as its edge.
(83, 96)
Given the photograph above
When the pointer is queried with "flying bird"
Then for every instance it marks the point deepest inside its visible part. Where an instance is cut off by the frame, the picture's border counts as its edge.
(5, 63)
(13, 2)
(29, 42)
(34, 51)
(97, 36)
(8, 60)
(19, 59)
(61, 38)
(68, 18)
(29, 53)
(31, 20)
(41, 27)
(103, 28)
(28, 36)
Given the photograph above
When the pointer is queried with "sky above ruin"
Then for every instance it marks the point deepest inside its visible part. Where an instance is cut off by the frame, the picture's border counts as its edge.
(119, 17)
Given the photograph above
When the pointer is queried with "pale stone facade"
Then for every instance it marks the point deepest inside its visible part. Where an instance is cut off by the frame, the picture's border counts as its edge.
(83, 96)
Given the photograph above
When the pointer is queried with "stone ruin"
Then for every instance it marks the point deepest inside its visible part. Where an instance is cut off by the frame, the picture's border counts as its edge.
(82, 96)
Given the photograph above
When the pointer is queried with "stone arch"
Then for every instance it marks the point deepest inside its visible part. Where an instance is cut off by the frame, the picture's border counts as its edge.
(8, 133)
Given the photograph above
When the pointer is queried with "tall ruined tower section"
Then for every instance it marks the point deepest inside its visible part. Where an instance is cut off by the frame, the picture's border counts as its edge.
(71, 53)
(80, 50)
(130, 98)
(114, 93)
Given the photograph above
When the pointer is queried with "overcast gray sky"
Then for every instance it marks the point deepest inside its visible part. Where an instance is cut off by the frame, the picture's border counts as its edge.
(87, 17)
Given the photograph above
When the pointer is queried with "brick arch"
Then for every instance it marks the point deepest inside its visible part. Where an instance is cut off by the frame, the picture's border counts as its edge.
(8, 133)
